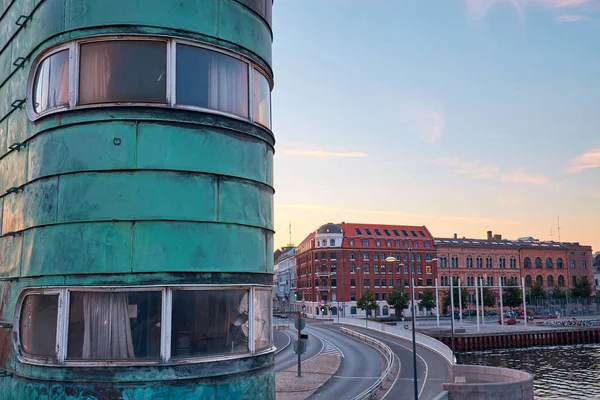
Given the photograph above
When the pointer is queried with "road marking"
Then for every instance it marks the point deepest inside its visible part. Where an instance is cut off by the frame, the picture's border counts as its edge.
(356, 377)
(322, 345)
(288, 343)
(395, 380)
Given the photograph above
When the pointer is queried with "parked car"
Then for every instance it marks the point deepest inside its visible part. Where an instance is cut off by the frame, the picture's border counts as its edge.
(469, 313)
(508, 321)
(491, 313)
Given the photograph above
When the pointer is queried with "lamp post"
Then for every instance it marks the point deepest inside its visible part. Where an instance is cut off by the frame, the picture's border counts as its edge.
(437, 307)
(414, 339)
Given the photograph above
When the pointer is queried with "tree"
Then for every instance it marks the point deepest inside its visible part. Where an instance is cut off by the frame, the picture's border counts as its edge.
(398, 300)
(489, 298)
(464, 294)
(582, 288)
(537, 292)
(427, 300)
(511, 296)
(367, 301)
(557, 293)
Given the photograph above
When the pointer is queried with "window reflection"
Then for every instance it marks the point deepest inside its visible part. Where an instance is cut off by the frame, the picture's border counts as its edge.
(123, 71)
(114, 325)
(37, 325)
(262, 100)
(212, 80)
(209, 322)
(262, 319)
(51, 84)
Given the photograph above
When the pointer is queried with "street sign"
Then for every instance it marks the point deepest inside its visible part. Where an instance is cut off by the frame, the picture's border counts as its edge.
(302, 324)
(302, 346)
(322, 302)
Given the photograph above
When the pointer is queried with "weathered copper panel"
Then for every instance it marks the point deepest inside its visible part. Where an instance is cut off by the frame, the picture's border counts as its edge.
(10, 256)
(244, 202)
(77, 249)
(180, 246)
(83, 147)
(203, 149)
(141, 195)
(35, 205)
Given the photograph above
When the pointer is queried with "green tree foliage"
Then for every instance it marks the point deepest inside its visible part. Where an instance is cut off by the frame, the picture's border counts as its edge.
(557, 293)
(582, 288)
(537, 292)
(464, 293)
(367, 302)
(398, 300)
(427, 300)
(489, 298)
(511, 296)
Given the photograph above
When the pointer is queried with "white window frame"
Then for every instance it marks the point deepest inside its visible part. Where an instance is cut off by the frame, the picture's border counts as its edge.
(62, 328)
(171, 79)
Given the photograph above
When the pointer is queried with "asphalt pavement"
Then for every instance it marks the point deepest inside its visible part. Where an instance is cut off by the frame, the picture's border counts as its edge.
(286, 358)
(361, 364)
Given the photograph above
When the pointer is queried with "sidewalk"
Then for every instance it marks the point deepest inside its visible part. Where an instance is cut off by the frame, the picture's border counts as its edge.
(315, 373)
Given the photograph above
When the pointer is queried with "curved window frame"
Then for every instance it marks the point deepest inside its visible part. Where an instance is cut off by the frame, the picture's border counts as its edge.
(171, 79)
(166, 338)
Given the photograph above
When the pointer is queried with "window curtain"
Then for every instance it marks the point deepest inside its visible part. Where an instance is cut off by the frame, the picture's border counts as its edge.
(107, 329)
(228, 84)
(94, 74)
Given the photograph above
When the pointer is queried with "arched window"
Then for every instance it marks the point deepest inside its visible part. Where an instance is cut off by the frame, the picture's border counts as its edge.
(559, 263)
(550, 281)
(539, 281)
(527, 262)
(332, 242)
(538, 262)
(51, 83)
(548, 263)
(386, 310)
(561, 280)
(324, 242)
(353, 310)
(528, 280)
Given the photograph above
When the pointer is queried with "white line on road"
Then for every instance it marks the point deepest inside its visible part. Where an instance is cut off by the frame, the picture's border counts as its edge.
(288, 343)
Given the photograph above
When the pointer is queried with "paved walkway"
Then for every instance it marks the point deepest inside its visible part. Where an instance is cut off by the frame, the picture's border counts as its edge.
(315, 373)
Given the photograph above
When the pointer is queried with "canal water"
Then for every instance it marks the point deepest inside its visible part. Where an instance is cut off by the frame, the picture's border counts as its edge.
(560, 372)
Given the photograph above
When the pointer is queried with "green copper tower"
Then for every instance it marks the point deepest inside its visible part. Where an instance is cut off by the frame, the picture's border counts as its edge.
(136, 189)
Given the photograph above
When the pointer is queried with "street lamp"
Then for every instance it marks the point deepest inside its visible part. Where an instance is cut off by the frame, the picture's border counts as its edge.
(414, 340)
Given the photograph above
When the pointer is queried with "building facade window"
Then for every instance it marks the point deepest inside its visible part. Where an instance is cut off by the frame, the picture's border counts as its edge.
(51, 83)
(367, 282)
(488, 262)
(559, 263)
(561, 280)
(378, 242)
(129, 324)
(526, 262)
(366, 269)
(513, 263)
(538, 263)
(444, 262)
(366, 256)
(550, 281)
(351, 242)
(528, 281)
(352, 256)
(572, 264)
(364, 242)
(583, 265)
(539, 281)
(352, 268)
(479, 262)
(352, 282)
(332, 255)
(549, 263)
(469, 262)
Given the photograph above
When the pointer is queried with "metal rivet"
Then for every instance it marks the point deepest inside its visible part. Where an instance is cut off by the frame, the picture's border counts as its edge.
(117, 141)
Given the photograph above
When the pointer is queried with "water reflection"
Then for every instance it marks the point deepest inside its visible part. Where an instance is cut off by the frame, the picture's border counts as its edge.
(560, 372)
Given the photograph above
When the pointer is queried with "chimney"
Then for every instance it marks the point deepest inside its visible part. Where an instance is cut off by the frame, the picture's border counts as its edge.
(489, 235)
(455, 236)
(497, 237)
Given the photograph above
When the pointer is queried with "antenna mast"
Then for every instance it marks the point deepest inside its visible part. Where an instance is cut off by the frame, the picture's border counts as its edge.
(558, 221)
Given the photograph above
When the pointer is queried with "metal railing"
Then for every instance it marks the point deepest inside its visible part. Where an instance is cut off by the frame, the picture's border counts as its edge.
(389, 355)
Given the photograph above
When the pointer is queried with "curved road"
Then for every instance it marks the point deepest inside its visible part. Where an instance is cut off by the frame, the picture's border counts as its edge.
(285, 356)
(432, 370)
(361, 364)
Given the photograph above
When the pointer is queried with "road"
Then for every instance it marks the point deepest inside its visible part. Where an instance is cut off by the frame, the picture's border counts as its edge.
(361, 364)
(432, 371)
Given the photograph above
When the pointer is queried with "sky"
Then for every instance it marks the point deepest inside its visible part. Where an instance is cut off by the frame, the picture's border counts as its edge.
(461, 115)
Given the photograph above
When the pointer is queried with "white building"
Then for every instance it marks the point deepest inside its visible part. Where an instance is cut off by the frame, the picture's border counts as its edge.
(285, 267)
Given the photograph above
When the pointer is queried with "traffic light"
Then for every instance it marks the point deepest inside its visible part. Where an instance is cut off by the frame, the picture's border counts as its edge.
(295, 296)
(322, 310)
(303, 308)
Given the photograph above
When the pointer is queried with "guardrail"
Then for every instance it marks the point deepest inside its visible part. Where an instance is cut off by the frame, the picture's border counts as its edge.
(389, 355)
(422, 340)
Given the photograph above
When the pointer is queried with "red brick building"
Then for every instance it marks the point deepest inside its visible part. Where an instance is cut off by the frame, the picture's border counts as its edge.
(544, 263)
(580, 263)
(493, 260)
(337, 262)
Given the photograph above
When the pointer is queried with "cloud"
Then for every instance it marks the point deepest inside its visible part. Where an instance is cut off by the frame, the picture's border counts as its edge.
(424, 121)
(588, 160)
(321, 153)
(520, 177)
(479, 170)
(476, 169)
(478, 9)
(571, 18)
